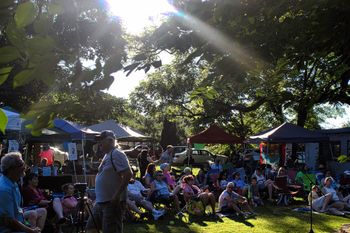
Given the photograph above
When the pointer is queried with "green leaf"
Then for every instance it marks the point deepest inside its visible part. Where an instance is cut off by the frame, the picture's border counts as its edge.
(6, 3)
(4, 73)
(25, 14)
(23, 78)
(251, 20)
(55, 9)
(43, 24)
(15, 35)
(3, 121)
(41, 44)
(113, 64)
(8, 54)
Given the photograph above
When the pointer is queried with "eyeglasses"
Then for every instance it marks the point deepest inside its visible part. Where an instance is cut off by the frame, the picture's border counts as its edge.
(20, 164)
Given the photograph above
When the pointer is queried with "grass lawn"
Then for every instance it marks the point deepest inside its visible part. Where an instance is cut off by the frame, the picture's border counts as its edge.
(270, 219)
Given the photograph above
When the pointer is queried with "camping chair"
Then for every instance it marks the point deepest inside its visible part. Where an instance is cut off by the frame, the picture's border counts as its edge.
(283, 191)
(308, 181)
(291, 173)
(193, 207)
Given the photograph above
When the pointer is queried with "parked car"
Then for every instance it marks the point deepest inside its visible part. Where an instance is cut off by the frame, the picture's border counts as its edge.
(198, 157)
(179, 149)
(133, 153)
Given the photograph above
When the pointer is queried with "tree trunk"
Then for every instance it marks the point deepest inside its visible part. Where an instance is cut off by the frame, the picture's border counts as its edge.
(302, 116)
(169, 134)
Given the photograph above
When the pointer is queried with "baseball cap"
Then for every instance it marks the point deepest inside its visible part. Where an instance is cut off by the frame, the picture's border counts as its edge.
(187, 170)
(106, 134)
(164, 165)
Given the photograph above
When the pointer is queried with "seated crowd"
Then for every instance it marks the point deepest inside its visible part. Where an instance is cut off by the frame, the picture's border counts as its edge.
(27, 208)
(165, 190)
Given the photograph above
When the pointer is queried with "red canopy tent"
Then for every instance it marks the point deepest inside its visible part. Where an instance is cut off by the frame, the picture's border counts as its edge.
(214, 135)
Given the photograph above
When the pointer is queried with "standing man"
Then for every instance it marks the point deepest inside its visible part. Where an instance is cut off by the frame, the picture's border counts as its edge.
(11, 213)
(167, 155)
(112, 180)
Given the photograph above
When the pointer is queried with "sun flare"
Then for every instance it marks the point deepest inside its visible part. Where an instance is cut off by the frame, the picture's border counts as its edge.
(138, 14)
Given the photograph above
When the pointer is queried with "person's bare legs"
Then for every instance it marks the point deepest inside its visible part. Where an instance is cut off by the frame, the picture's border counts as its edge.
(208, 198)
(147, 205)
(328, 198)
(235, 207)
(31, 216)
(40, 221)
(335, 212)
(212, 201)
(132, 206)
(57, 207)
(177, 189)
(247, 206)
(270, 189)
(338, 205)
(176, 203)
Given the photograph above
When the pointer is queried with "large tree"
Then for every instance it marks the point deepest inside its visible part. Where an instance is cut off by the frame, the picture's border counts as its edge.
(57, 46)
(288, 57)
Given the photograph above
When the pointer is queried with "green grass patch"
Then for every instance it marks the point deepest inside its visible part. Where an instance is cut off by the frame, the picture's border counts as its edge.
(269, 219)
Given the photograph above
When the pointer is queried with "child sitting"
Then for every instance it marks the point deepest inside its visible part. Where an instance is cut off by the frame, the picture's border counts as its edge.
(169, 179)
(254, 194)
(69, 202)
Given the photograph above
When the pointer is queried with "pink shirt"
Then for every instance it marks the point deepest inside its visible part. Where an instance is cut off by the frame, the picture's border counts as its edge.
(169, 180)
(192, 190)
(69, 204)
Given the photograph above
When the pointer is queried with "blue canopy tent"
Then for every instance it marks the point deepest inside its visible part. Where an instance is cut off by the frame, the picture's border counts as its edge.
(77, 132)
(14, 121)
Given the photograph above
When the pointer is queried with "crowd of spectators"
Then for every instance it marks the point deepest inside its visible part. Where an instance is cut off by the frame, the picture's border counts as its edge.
(160, 189)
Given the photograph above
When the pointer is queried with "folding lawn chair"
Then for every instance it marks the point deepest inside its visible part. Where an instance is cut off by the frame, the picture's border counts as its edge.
(283, 191)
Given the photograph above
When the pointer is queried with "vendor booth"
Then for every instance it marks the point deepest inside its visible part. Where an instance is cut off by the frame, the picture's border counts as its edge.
(275, 143)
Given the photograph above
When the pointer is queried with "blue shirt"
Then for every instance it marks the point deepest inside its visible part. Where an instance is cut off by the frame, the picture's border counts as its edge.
(10, 202)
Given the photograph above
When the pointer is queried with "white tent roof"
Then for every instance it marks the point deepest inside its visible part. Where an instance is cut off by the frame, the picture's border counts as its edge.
(120, 131)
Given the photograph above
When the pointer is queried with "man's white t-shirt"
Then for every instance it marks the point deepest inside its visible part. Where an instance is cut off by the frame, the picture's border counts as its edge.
(106, 178)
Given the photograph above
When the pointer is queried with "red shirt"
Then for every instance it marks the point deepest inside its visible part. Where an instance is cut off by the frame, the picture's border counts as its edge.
(48, 155)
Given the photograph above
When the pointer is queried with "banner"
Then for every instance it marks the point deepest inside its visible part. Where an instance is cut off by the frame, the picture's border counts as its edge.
(13, 146)
(72, 151)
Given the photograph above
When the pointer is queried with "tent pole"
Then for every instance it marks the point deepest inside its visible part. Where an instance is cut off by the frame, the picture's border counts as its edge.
(75, 172)
(83, 151)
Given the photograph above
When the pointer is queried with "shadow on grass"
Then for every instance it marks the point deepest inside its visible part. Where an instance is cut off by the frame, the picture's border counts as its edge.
(242, 220)
(202, 220)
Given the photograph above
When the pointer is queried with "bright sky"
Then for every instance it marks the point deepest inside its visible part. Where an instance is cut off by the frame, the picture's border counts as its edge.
(138, 14)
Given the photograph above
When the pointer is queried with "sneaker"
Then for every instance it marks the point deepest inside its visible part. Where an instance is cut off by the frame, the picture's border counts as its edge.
(156, 215)
(162, 211)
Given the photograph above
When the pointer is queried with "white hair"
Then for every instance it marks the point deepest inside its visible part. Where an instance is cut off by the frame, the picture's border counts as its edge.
(10, 160)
